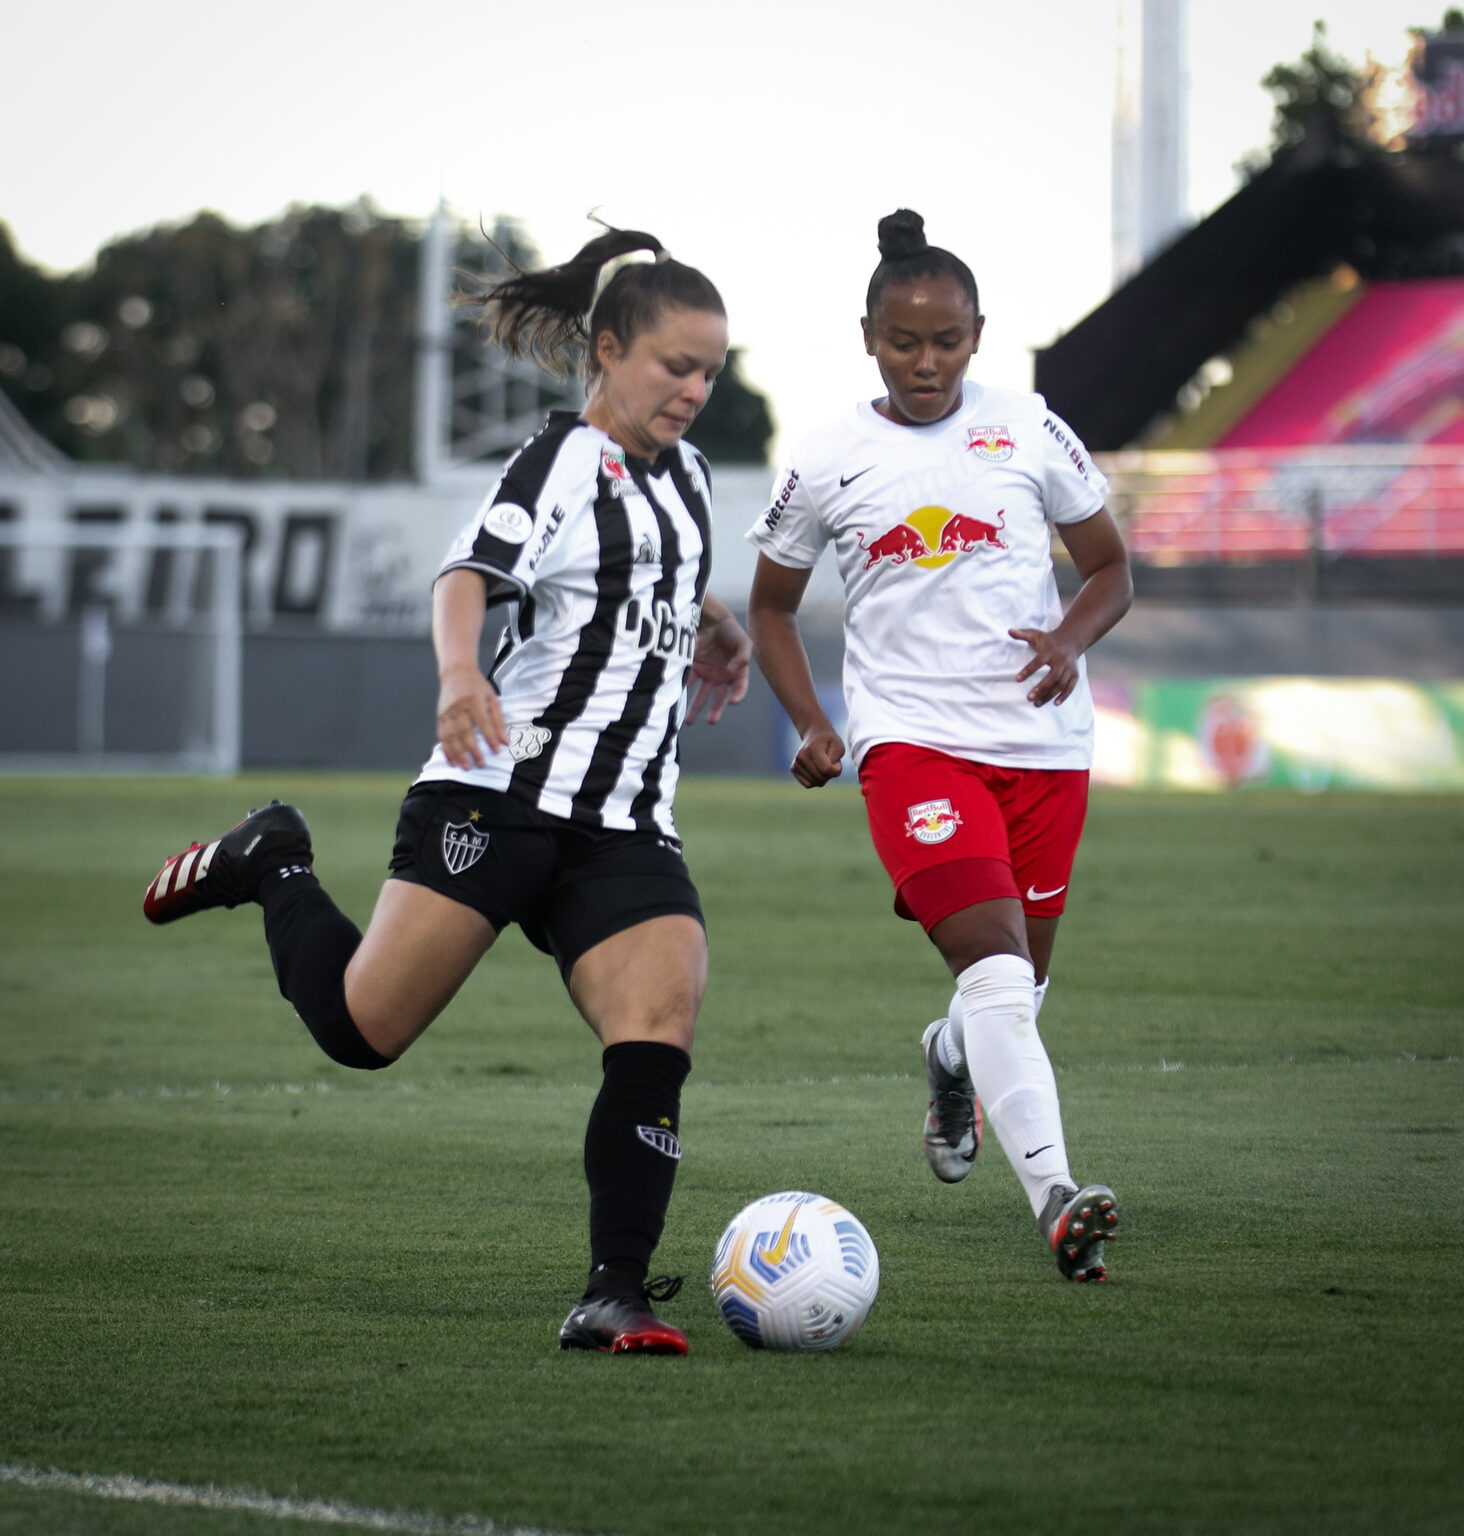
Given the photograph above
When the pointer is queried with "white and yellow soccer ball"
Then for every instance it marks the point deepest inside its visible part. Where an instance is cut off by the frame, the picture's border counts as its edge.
(795, 1271)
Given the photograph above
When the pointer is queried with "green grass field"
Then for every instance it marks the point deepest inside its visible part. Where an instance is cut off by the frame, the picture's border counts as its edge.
(225, 1261)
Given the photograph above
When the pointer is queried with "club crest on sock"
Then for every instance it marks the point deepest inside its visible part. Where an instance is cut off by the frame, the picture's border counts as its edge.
(662, 1139)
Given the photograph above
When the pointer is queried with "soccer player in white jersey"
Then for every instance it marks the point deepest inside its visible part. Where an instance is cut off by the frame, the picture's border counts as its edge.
(547, 801)
(969, 716)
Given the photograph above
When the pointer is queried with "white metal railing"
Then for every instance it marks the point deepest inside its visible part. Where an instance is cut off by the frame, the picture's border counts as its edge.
(1251, 505)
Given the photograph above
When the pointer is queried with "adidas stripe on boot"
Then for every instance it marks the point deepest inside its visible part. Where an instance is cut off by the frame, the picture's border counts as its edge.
(226, 872)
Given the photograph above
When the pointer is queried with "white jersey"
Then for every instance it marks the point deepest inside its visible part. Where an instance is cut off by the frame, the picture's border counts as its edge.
(942, 540)
(609, 557)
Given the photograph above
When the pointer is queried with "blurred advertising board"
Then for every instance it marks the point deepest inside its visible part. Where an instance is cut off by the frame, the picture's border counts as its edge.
(1301, 733)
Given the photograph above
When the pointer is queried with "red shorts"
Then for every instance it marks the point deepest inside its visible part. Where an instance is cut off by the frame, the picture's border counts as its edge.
(952, 832)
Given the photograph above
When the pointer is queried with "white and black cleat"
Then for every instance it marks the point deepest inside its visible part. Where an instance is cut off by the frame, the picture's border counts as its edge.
(953, 1119)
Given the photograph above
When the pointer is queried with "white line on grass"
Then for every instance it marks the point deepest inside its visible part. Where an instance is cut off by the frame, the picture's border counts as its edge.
(133, 1490)
(164, 1091)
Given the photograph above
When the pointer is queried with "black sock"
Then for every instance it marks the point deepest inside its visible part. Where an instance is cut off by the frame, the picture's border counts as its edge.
(631, 1153)
(311, 941)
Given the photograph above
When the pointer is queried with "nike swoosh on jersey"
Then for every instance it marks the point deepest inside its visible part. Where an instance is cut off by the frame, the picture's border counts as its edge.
(850, 479)
(1033, 894)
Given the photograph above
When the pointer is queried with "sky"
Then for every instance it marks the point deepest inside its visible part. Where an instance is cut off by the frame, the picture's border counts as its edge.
(761, 140)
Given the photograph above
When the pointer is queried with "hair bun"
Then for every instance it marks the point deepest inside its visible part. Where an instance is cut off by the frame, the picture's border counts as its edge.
(902, 234)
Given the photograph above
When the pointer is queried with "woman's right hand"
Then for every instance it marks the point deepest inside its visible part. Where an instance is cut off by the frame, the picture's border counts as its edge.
(820, 758)
(467, 709)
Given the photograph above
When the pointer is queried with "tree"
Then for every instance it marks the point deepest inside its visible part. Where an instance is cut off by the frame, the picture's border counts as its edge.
(736, 424)
(1321, 90)
(284, 350)
(32, 315)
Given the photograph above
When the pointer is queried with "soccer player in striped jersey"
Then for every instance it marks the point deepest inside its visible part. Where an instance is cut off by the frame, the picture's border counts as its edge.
(548, 799)
(970, 719)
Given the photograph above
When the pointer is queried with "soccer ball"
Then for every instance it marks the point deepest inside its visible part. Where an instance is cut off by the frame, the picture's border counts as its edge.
(795, 1271)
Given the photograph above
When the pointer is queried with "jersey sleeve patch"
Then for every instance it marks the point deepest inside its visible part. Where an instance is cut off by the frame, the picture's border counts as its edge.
(493, 541)
(790, 530)
(1073, 485)
(508, 523)
(511, 533)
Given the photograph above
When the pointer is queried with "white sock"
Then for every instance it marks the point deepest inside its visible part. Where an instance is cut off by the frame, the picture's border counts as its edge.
(948, 1042)
(948, 1048)
(1008, 1065)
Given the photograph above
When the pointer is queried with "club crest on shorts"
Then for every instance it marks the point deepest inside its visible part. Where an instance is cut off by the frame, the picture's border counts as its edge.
(462, 846)
(932, 821)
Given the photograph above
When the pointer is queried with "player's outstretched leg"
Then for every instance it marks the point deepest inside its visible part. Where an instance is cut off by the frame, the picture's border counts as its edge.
(953, 1119)
(267, 858)
(226, 872)
(619, 1324)
(1076, 1223)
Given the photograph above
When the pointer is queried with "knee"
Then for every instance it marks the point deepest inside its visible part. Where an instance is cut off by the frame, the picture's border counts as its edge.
(969, 937)
(337, 1034)
(364, 1056)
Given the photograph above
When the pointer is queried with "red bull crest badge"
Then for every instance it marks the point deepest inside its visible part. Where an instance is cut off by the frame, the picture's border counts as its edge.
(990, 443)
(932, 821)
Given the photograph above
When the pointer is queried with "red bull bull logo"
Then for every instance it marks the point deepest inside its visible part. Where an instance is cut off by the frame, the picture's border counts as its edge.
(900, 544)
(963, 534)
(932, 821)
(990, 443)
(932, 537)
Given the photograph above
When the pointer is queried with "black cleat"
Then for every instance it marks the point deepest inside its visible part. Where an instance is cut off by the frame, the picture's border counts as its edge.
(227, 871)
(619, 1325)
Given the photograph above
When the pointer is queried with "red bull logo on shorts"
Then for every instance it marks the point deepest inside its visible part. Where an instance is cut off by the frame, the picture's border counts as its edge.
(990, 443)
(932, 537)
(932, 821)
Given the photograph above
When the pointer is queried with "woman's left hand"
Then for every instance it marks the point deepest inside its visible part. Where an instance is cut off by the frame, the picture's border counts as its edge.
(1060, 659)
(720, 665)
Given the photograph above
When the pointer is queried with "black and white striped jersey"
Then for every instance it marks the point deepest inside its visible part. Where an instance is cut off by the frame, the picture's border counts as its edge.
(609, 557)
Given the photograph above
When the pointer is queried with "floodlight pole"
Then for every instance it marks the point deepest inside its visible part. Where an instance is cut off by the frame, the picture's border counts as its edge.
(434, 354)
(1150, 131)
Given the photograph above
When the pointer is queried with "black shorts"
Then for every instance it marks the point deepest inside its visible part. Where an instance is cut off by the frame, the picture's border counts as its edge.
(567, 887)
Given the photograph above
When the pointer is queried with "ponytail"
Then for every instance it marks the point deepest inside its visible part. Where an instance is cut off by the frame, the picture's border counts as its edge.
(542, 315)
